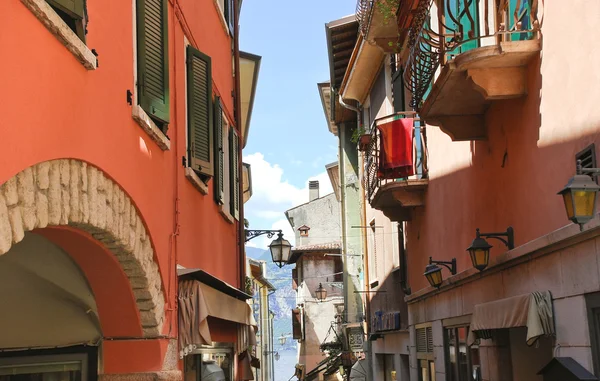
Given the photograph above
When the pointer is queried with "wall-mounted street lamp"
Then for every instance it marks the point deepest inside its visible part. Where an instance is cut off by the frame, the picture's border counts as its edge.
(580, 194)
(433, 272)
(276, 356)
(282, 339)
(280, 248)
(321, 293)
(480, 248)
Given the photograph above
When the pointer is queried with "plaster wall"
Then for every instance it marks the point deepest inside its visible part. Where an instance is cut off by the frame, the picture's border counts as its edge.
(322, 216)
(512, 177)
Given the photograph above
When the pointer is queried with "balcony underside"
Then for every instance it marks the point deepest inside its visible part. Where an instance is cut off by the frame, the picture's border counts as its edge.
(397, 199)
(382, 31)
(468, 84)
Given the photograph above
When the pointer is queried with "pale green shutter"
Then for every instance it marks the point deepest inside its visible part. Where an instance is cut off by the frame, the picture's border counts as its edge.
(73, 12)
(200, 126)
(234, 173)
(219, 153)
(153, 58)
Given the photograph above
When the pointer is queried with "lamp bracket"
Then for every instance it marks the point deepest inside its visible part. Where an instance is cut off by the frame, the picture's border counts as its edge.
(450, 265)
(509, 234)
(581, 170)
(251, 234)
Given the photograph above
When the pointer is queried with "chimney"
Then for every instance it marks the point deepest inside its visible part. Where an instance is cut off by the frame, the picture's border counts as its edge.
(313, 190)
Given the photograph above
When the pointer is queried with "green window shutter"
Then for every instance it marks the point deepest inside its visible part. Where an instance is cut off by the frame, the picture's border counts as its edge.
(153, 58)
(200, 125)
(228, 11)
(398, 90)
(219, 153)
(73, 8)
(234, 173)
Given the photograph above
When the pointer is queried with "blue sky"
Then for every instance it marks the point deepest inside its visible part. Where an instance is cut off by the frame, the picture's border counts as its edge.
(289, 142)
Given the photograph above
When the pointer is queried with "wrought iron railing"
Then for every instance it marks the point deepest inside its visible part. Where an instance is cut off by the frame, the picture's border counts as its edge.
(373, 176)
(363, 15)
(460, 29)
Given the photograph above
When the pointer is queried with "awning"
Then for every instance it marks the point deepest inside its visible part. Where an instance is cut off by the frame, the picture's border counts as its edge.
(533, 311)
(198, 301)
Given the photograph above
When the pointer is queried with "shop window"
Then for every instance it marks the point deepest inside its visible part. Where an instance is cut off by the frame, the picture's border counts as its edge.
(593, 312)
(214, 363)
(462, 361)
(62, 364)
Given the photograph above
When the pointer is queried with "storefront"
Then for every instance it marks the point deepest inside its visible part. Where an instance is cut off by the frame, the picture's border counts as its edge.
(216, 328)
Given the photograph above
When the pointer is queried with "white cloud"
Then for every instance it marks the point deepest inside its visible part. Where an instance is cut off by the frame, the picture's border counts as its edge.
(268, 214)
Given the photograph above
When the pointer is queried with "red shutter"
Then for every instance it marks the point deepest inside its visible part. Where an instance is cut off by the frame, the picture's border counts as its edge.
(296, 324)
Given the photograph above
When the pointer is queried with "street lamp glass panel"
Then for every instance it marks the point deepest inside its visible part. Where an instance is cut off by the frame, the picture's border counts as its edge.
(321, 293)
(280, 250)
(433, 274)
(579, 196)
(282, 340)
(480, 253)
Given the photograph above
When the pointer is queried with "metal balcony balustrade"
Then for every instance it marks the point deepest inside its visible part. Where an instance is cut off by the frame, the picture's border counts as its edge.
(459, 29)
(396, 196)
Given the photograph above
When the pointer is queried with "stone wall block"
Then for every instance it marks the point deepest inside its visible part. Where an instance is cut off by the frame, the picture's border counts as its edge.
(145, 305)
(93, 194)
(42, 175)
(132, 215)
(41, 209)
(108, 189)
(101, 182)
(101, 210)
(65, 172)
(16, 222)
(84, 207)
(126, 213)
(74, 189)
(132, 268)
(84, 177)
(5, 227)
(151, 331)
(54, 195)
(66, 206)
(26, 189)
(138, 282)
(108, 217)
(10, 192)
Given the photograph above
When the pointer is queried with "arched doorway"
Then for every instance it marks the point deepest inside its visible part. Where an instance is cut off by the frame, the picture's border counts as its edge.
(79, 268)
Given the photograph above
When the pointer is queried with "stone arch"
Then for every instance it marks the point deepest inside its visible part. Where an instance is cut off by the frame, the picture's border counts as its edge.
(74, 193)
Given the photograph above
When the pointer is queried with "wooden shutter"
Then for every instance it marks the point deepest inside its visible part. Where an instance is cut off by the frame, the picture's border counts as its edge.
(398, 90)
(219, 179)
(228, 11)
(153, 59)
(73, 8)
(234, 173)
(294, 279)
(421, 340)
(296, 324)
(200, 126)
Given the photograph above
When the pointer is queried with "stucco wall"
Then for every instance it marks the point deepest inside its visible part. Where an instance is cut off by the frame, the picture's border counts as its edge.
(512, 178)
(322, 216)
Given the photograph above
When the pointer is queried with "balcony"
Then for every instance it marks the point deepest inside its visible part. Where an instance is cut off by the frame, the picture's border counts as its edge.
(483, 59)
(377, 22)
(395, 173)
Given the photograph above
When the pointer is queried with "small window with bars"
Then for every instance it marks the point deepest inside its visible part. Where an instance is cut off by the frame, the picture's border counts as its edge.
(588, 159)
(424, 337)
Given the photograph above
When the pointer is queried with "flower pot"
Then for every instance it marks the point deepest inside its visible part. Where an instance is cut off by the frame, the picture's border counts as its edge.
(364, 141)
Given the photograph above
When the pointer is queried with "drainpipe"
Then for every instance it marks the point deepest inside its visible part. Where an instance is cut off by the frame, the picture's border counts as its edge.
(238, 122)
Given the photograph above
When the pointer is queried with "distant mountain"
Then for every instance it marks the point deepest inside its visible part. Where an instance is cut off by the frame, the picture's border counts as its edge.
(282, 301)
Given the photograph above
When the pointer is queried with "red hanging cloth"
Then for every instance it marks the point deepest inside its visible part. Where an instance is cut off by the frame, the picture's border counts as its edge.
(396, 149)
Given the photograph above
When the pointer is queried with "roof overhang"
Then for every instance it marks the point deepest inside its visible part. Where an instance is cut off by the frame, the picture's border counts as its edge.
(212, 281)
(324, 249)
(333, 171)
(325, 95)
(249, 69)
(341, 36)
(256, 268)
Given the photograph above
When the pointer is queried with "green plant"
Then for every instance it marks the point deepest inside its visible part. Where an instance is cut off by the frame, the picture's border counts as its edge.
(249, 286)
(387, 8)
(357, 133)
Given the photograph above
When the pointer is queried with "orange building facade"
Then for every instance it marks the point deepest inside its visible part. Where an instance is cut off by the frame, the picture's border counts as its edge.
(111, 165)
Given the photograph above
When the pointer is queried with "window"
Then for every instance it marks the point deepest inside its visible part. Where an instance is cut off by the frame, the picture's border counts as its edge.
(226, 7)
(296, 324)
(199, 108)
(73, 13)
(152, 60)
(588, 159)
(424, 344)
(234, 173)
(209, 363)
(338, 269)
(303, 230)
(462, 361)
(592, 302)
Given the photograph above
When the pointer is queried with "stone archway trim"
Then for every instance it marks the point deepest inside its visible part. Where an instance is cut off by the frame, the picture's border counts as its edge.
(74, 193)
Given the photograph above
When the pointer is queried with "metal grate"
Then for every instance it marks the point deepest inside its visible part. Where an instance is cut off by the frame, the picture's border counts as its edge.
(429, 332)
(422, 340)
(588, 159)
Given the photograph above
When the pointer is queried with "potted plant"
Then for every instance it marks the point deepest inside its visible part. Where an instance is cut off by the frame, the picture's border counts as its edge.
(362, 137)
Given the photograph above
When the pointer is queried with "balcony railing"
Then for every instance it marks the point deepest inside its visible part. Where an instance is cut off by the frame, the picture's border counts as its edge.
(363, 15)
(458, 30)
(377, 21)
(378, 173)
